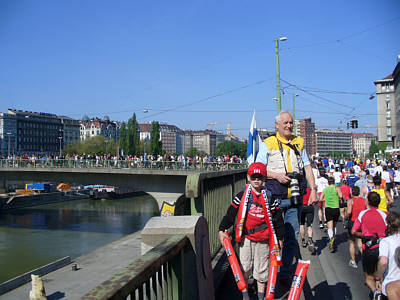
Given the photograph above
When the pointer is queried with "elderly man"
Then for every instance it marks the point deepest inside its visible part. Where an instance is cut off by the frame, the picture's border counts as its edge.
(288, 169)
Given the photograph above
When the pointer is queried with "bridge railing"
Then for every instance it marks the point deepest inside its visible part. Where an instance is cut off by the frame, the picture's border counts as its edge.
(120, 164)
(210, 197)
(158, 274)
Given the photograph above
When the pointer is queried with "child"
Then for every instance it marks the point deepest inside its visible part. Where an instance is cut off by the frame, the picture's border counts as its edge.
(253, 239)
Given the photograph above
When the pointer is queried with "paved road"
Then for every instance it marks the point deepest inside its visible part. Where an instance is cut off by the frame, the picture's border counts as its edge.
(329, 276)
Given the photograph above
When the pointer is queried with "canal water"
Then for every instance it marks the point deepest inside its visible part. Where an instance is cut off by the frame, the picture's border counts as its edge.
(35, 236)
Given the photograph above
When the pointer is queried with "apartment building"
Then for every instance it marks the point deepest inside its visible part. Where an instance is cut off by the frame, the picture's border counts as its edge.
(333, 141)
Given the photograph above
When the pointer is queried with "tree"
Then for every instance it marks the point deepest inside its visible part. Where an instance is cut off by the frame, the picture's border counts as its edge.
(231, 148)
(96, 145)
(155, 143)
(123, 139)
(192, 152)
(133, 136)
(373, 148)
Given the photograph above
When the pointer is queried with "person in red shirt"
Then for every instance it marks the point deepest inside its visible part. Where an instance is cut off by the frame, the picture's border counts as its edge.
(370, 226)
(252, 230)
(355, 205)
(346, 192)
(307, 217)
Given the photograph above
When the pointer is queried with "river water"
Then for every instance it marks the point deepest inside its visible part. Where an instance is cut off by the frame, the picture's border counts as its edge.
(35, 236)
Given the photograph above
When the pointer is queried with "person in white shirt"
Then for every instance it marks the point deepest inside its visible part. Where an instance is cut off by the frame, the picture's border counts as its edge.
(338, 176)
(357, 169)
(378, 169)
(322, 183)
(315, 172)
(388, 271)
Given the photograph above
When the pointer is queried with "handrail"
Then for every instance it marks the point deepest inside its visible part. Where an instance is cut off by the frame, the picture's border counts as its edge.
(155, 275)
(120, 164)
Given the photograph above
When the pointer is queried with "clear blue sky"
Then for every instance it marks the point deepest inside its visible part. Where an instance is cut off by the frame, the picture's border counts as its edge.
(193, 62)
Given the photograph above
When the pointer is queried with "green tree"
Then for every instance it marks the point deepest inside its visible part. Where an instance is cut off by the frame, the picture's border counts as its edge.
(231, 148)
(227, 148)
(373, 148)
(133, 136)
(123, 139)
(96, 145)
(155, 143)
(192, 152)
(242, 147)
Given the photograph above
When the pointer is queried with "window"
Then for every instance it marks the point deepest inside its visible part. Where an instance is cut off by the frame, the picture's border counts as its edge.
(387, 97)
(388, 114)
(389, 131)
(388, 105)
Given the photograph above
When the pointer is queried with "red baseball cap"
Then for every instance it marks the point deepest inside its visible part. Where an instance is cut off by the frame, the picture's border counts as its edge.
(257, 168)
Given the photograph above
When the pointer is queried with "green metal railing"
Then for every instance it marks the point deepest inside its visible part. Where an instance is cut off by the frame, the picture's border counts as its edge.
(211, 197)
(120, 164)
(159, 274)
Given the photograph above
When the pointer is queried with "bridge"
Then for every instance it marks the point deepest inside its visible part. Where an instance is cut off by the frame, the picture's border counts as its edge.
(174, 183)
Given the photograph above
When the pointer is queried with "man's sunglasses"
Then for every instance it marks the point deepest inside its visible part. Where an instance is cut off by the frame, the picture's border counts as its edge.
(257, 176)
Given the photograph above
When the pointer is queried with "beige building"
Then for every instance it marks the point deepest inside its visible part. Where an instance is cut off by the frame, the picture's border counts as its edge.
(386, 108)
(203, 140)
(361, 143)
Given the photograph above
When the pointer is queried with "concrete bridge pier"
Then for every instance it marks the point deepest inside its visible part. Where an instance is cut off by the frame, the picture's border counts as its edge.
(170, 203)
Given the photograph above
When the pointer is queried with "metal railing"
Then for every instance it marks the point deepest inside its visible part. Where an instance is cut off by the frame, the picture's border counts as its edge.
(120, 164)
(159, 274)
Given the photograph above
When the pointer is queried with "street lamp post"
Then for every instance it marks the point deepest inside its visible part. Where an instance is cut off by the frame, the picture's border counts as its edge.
(278, 79)
(294, 113)
(9, 137)
(60, 138)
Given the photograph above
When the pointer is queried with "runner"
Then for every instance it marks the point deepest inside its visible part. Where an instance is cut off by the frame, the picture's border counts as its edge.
(346, 191)
(386, 198)
(322, 183)
(389, 259)
(370, 226)
(331, 195)
(355, 205)
(307, 217)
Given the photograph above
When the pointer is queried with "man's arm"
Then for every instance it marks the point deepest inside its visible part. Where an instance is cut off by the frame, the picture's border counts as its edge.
(349, 208)
(389, 197)
(382, 265)
(311, 183)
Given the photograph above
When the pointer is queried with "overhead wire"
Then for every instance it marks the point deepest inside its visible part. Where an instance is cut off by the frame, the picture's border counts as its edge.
(210, 97)
(346, 37)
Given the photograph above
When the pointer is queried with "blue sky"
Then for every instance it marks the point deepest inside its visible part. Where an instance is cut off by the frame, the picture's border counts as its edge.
(190, 63)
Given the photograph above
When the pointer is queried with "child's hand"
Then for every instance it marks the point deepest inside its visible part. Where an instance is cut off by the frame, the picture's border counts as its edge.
(221, 237)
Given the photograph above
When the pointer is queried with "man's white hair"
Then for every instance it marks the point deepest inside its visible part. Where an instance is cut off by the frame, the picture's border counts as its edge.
(278, 117)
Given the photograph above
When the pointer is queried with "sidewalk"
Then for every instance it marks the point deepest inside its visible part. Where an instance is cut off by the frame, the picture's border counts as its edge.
(94, 268)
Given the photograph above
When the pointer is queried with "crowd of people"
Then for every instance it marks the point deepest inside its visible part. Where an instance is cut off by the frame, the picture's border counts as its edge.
(166, 161)
(361, 193)
(286, 187)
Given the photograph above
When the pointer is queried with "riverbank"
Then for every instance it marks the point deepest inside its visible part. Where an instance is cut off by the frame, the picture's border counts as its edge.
(93, 268)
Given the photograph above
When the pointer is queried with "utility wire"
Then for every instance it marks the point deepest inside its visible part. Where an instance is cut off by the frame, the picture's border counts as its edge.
(316, 96)
(209, 98)
(342, 38)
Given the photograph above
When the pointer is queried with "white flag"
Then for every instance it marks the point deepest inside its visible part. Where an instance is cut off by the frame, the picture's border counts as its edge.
(252, 146)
